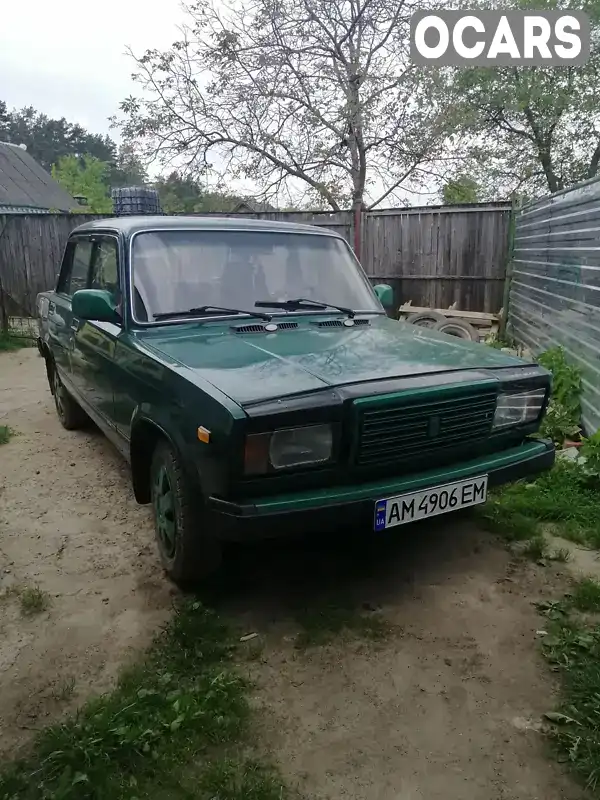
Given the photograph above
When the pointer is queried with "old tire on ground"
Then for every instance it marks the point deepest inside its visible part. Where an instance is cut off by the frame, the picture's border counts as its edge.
(459, 328)
(426, 319)
(70, 413)
(187, 549)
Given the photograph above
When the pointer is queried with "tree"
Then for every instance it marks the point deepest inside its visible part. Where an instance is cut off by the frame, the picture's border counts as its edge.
(461, 189)
(533, 129)
(48, 140)
(183, 195)
(313, 100)
(89, 179)
(129, 169)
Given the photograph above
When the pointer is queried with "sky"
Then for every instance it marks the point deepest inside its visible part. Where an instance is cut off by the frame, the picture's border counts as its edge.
(67, 57)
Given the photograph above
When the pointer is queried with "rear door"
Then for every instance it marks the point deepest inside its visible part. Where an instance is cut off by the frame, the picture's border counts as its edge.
(74, 274)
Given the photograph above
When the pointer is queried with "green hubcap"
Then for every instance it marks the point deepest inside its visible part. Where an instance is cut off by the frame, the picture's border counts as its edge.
(164, 512)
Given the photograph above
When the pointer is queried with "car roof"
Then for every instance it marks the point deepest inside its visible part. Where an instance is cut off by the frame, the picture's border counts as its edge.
(131, 225)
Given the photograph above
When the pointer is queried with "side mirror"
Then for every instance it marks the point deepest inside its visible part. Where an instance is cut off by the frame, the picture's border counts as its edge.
(95, 304)
(385, 293)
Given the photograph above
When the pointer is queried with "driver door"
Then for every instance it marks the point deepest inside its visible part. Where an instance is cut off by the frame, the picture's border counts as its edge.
(95, 342)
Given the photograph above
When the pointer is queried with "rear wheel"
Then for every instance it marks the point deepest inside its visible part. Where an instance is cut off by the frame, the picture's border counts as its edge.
(70, 413)
(186, 547)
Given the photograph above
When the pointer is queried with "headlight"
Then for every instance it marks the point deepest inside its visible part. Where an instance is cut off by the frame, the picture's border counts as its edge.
(519, 408)
(289, 447)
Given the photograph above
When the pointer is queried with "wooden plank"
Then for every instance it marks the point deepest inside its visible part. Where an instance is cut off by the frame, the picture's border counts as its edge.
(407, 308)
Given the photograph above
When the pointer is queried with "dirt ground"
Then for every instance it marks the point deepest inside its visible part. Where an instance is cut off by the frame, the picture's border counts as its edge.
(68, 523)
(448, 705)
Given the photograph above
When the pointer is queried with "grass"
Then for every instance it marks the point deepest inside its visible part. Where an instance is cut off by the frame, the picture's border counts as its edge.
(6, 434)
(586, 595)
(10, 341)
(64, 690)
(536, 548)
(33, 601)
(572, 648)
(557, 499)
(166, 731)
(321, 625)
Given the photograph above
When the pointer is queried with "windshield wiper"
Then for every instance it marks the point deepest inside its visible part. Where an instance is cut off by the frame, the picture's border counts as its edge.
(302, 302)
(194, 312)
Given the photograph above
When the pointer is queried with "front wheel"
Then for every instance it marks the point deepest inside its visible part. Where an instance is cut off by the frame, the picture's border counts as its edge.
(186, 547)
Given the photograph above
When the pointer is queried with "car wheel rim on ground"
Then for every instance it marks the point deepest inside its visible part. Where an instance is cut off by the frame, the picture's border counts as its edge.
(164, 511)
(58, 397)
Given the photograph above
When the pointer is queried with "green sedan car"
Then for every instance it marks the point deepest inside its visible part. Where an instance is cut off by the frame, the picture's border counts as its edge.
(249, 373)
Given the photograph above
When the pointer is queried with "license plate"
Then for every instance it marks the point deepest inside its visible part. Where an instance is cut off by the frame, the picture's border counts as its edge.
(430, 502)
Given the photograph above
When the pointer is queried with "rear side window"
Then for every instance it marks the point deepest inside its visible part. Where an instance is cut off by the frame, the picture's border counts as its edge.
(76, 266)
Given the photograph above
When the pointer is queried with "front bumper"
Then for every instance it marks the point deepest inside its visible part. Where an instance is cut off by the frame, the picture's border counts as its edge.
(338, 505)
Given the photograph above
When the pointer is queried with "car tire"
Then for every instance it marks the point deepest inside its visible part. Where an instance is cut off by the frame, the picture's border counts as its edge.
(459, 328)
(426, 319)
(71, 415)
(187, 549)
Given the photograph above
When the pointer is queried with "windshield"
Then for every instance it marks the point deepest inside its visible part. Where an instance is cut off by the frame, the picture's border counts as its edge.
(179, 270)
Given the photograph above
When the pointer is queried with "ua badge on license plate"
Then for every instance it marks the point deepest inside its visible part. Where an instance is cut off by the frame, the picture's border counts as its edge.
(430, 502)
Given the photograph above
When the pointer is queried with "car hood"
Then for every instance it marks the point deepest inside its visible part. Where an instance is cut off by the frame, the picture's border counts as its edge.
(250, 367)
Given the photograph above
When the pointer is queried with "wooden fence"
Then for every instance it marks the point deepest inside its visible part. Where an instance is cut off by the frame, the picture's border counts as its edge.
(433, 256)
(31, 249)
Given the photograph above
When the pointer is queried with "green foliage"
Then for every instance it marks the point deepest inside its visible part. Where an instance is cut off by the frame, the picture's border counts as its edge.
(561, 498)
(460, 190)
(562, 420)
(49, 140)
(184, 195)
(499, 342)
(566, 379)
(5, 434)
(558, 424)
(163, 721)
(87, 177)
(591, 452)
(247, 780)
(530, 129)
(512, 526)
(573, 651)
(8, 342)
(33, 601)
(586, 595)
(128, 170)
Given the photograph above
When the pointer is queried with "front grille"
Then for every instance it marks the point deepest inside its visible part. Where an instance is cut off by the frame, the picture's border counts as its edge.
(422, 426)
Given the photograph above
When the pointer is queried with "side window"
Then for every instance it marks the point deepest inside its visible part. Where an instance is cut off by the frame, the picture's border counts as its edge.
(105, 269)
(76, 265)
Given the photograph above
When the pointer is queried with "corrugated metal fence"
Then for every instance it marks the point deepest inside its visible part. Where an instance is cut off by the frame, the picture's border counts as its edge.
(433, 256)
(555, 289)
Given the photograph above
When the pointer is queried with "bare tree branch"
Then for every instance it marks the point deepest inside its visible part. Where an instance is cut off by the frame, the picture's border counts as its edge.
(315, 95)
